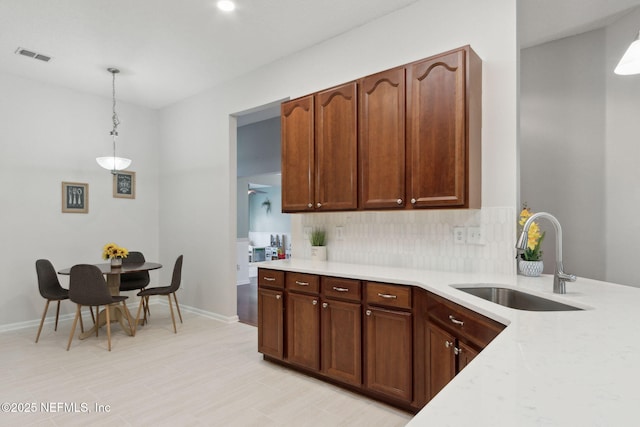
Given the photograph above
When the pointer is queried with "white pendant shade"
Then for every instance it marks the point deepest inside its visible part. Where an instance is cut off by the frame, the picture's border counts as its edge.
(630, 62)
(113, 163)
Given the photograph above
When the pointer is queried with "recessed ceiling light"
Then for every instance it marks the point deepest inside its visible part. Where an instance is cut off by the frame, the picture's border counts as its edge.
(226, 5)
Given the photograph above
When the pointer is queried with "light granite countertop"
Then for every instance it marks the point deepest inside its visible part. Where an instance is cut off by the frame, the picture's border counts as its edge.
(571, 368)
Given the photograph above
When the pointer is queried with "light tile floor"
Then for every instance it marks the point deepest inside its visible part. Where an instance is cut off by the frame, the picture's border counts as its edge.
(208, 374)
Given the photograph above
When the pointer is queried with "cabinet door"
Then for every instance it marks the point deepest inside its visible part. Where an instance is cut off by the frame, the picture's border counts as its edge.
(336, 148)
(441, 362)
(388, 353)
(341, 341)
(270, 323)
(381, 142)
(465, 355)
(303, 330)
(298, 165)
(436, 130)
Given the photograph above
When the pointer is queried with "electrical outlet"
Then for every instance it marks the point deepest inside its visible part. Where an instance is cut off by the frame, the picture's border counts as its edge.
(459, 235)
(339, 232)
(307, 232)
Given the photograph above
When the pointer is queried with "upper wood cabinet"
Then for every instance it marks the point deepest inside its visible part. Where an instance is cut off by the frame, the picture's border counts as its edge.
(336, 148)
(408, 137)
(298, 156)
(319, 151)
(444, 130)
(381, 142)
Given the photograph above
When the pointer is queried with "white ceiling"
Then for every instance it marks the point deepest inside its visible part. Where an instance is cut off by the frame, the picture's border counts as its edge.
(540, 21)
(168, 50)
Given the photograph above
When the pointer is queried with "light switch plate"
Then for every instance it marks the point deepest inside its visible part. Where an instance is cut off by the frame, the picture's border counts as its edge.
(474, 235)
(339, 232)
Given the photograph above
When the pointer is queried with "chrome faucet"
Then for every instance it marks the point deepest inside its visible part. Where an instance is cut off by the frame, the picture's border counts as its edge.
(560, 277)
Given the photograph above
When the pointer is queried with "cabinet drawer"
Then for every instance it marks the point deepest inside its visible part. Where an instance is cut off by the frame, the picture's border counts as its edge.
(300, 282)
(335, 287)
(271, 278)
(474, 327)
(389, 295)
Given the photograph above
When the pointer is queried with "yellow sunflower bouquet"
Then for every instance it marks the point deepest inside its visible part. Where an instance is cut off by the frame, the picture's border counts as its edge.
(111, 250)
(532, 251)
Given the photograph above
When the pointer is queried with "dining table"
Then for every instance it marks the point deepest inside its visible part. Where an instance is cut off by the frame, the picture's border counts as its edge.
(113, 273)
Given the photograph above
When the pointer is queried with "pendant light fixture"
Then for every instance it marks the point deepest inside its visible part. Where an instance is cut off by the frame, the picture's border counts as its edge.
(630, 62)
(114, 163)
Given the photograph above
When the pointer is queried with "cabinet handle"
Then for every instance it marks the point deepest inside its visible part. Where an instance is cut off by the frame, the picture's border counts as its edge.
(448, 344)
(315, 302)
(399, 201)
(457, 350)
(368, 312)
(413, 201)
(387, 296)
(310, 205)
(277, 296)
(302, 283)
(337, 289)
(318, 205)
(456, 321)
(325, 305)
(269, 279)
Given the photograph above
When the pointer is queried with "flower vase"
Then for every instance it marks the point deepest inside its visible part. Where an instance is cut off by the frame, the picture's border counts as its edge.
(318, 253)
(530, 268)
(116, 262)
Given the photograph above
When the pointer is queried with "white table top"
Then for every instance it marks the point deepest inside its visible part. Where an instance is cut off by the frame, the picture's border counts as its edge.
(572, 368)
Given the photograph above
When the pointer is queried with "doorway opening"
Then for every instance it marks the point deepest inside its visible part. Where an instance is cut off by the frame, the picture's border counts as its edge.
(263, 231)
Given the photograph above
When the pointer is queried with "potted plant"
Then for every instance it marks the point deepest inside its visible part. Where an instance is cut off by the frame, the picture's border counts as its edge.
(318, 240)
(530, 260)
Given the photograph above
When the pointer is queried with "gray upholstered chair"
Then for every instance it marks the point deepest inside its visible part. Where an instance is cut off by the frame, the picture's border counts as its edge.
(164, 290)
(87, 286)
(135, 281)
(50, 290)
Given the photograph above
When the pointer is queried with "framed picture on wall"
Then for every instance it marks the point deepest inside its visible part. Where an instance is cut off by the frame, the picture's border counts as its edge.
(124, 184)
(75, 197)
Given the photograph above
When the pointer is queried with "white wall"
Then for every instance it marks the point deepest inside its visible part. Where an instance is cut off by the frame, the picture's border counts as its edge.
(198, 179)
(622, 151)
(579, 148)
(562, 153)
(50, 134)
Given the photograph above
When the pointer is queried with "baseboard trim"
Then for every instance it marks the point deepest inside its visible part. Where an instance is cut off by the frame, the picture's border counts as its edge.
(50, 320)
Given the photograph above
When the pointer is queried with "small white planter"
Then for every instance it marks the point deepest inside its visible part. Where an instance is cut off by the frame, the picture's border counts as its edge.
(318, 253)
(530, 268)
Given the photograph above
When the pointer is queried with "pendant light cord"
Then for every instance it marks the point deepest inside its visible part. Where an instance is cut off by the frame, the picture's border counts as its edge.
(115, 119)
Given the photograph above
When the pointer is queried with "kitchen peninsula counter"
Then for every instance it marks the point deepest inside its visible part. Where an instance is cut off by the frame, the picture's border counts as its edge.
(565, 368)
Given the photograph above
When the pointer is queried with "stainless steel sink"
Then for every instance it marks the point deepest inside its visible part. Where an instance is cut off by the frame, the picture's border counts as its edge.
(516, 299)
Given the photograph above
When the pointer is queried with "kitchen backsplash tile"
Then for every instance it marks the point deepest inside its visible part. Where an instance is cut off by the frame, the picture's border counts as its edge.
(414, 239)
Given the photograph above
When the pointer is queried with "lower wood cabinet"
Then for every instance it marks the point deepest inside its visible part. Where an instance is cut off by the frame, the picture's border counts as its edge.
(303, 330)
(388, 353)
(342, 341)
(395, 343)
(271, 322)
(454, 336)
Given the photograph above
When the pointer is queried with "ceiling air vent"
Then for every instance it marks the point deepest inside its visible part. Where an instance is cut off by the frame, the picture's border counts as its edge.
(31, 54)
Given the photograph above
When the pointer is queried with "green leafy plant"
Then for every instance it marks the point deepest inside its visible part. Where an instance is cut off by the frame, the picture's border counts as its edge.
(318, 237)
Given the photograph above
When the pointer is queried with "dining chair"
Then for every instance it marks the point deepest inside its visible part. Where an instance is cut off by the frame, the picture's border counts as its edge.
(164, 290)
(87, 286)
(137, 280)
(50, 290)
